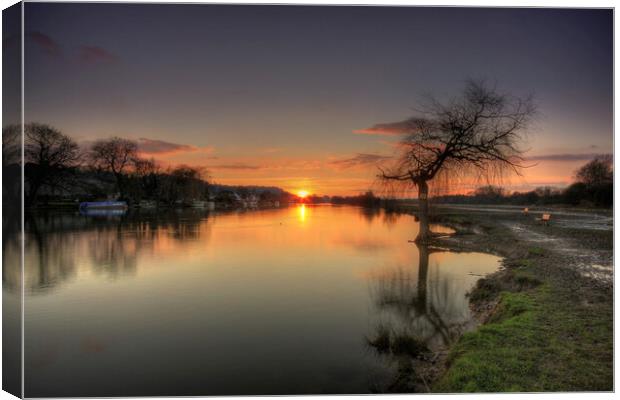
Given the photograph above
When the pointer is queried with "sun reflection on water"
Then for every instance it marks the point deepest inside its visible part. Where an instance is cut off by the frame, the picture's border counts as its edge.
(301, 210)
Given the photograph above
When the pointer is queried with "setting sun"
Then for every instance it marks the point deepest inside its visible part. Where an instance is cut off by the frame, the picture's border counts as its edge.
(303, 193)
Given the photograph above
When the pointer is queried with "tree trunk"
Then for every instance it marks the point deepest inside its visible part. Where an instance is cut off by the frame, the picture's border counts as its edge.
(422, 279)
(424, 232)
(120, 185)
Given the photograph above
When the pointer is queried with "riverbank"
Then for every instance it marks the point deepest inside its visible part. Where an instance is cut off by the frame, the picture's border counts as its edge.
(547, 315)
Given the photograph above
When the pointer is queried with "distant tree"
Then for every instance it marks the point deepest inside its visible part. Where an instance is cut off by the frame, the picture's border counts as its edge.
(598, 178)
(49, 157)
(11, 144)
(490, 193)
(490, 190)
(548, 195)
(11, 164)
(269, 196)
(596, 172)
(524, 198)
(575, 193)
(478, 133)
(184, 183)
(148, 175)
(116, 156)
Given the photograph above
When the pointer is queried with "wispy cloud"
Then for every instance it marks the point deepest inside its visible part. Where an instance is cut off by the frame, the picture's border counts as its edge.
(235, 166)
(387, 129)
(360, 159)
(155, 146)
(44, 42)
(163, 148)
(96, 55)
(270, 150)
(564, 157)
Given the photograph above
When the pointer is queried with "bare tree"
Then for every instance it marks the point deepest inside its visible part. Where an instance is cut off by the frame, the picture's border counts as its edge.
(148, 174)
(11, 144)
(11, 165)
(49, 156)
(115, 155)
(597, 172)
(478, 133)
(184, 183)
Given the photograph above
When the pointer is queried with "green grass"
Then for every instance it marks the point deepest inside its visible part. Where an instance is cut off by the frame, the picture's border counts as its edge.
(485, 290)
(540, 339)
(536, 251)
(524, 279)
(525, 263)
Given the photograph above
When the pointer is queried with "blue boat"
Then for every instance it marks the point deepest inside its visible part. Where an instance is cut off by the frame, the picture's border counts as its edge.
(103, 205)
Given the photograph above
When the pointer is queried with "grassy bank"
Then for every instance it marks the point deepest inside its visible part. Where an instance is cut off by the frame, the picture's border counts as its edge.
(551, 329)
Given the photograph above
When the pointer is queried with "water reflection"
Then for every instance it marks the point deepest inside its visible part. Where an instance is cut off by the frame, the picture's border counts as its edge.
(302, 212)
(102, 212)
(261, 302)
(11, 251)
(432, 310)
(374, 214)
(111, 243)
(423, 309)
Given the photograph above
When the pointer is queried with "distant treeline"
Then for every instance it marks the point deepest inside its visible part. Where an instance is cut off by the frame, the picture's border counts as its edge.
(56, 169)
(593, 186)
(368, 199)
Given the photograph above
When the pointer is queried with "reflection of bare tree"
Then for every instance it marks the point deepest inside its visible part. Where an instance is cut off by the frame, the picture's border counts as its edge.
(11, 207)
(46, 263)
(112, 245)
(115, 251)
(390, 217)
(370, 213)
(112, 253)
(11, 251)
(419, 315)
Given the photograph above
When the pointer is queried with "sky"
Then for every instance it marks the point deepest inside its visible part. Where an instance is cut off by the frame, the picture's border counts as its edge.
(286, 95)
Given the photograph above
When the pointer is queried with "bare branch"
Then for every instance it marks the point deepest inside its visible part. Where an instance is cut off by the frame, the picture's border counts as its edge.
(476, 134)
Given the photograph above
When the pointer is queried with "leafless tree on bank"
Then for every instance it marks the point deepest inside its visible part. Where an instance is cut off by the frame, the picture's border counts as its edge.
(477, 134)
(49, 156)
(115, 155)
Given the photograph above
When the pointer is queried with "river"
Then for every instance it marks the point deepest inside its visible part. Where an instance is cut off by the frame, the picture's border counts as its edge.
(278, 301)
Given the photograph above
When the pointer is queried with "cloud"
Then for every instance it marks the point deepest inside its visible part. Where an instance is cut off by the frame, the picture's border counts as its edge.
(44, 42)
(86, 54)
(235, 166)
(154, 146)
(360, 159)
(564, 157)
(161, 148)
(387, 129)
(270, 149)
(96, 55)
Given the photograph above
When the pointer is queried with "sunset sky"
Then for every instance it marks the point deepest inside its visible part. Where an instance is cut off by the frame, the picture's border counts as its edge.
(288, 96)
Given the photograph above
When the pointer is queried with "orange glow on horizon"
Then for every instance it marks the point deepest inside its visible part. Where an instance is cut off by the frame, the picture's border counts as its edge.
(306, 175)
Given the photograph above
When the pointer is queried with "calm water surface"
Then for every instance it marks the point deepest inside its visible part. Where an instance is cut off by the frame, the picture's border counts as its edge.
(262, 302)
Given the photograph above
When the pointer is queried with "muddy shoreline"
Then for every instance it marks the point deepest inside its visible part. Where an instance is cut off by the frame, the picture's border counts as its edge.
(574, 252)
